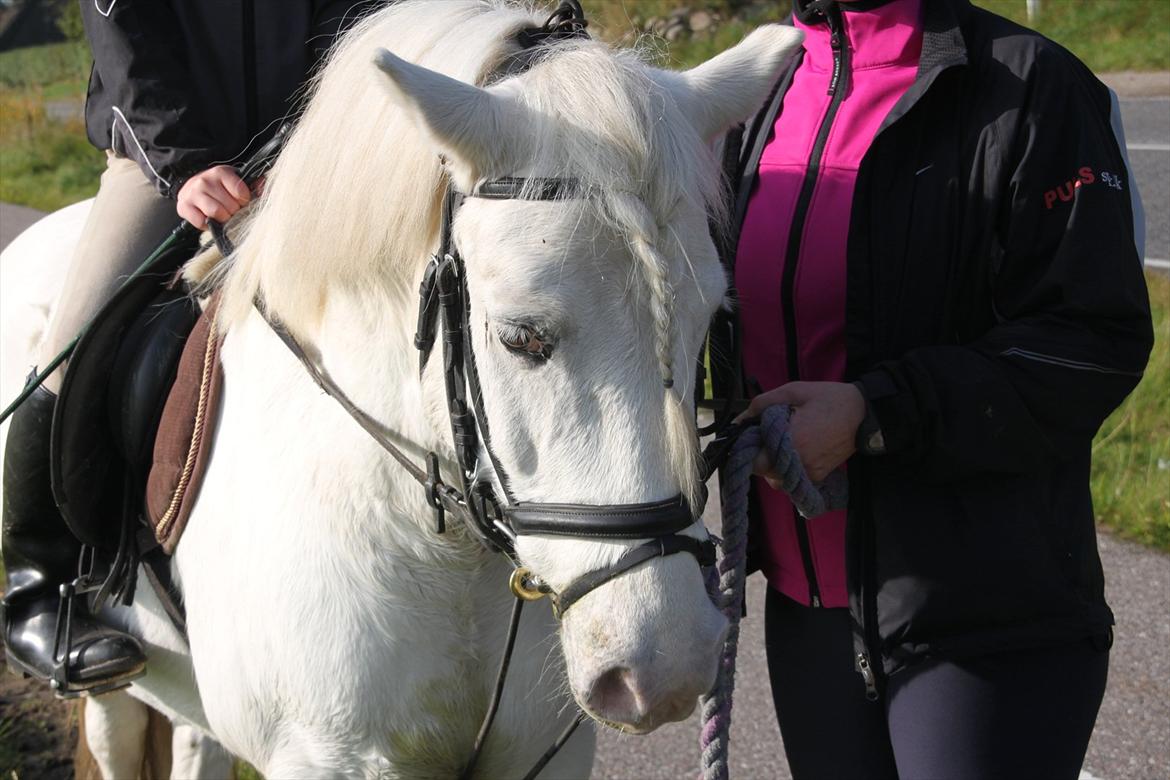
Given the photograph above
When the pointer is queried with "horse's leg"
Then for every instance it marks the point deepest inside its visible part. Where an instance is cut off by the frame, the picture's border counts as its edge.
(196, 756)
(115, 730)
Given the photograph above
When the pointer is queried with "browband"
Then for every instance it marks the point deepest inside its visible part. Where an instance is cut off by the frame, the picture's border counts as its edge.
(527, 188)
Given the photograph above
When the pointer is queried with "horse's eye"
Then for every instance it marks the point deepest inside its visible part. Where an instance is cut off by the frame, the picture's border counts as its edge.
(525, 339)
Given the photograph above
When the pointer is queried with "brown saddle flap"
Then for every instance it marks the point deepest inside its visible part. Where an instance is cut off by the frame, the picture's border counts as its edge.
(185, 432)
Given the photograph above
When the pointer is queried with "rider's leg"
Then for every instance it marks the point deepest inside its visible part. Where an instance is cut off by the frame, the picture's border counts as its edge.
(128, 219)
(40, 555)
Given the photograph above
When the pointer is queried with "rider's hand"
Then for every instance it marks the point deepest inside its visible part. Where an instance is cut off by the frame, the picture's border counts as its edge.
(216, 193)
(825, 417)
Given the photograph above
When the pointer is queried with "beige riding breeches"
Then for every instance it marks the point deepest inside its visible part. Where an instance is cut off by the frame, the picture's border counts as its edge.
(129, 219)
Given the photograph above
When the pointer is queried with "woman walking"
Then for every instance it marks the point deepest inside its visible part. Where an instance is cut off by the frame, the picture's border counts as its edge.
(937, 269)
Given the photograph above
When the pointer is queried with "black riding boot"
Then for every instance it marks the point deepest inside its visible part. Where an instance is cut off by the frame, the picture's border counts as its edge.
(41, 554)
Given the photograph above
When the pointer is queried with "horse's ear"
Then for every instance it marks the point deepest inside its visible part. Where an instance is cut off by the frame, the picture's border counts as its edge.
(480, 129)
(731, 86)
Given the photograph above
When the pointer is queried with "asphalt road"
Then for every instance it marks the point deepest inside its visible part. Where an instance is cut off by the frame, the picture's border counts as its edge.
(1132, 738)
(1147, 134)
(13, 221)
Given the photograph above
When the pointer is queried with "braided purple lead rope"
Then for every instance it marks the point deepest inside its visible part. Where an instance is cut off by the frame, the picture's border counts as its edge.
(726, 579)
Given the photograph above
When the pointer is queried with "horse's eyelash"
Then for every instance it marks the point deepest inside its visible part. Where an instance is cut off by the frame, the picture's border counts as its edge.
(510, 330)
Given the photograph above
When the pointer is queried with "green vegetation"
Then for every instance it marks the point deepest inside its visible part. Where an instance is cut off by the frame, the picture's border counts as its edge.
(1131, 455)
(1108, 35)
(43, 163)
(45, 66)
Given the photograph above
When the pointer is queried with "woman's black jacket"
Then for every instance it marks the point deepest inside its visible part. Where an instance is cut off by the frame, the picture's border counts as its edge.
(996, 313)
(179, 85)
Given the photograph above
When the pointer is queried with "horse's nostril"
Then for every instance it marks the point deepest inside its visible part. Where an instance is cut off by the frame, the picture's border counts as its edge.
(613, 697)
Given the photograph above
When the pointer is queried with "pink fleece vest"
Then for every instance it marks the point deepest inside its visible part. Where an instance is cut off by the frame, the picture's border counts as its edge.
(885, 44)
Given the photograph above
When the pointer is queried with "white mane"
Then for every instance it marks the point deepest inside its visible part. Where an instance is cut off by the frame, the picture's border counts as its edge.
(354, 198)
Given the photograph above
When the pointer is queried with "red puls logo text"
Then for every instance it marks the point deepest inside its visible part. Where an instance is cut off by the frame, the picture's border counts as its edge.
(1066, 191)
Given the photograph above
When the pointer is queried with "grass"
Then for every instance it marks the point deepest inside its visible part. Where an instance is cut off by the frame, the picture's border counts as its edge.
(1108, 35)
(42, 66)
(1131, 454)
(43, 163)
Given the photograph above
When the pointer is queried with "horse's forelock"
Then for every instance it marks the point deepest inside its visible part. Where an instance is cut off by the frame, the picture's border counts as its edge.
(353, 197)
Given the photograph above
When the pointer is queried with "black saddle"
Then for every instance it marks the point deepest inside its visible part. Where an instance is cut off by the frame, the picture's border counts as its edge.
(111, 400)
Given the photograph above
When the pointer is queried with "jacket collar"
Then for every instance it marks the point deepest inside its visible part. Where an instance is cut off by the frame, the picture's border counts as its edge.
(943, 44)
(943, 47)
(811, 11)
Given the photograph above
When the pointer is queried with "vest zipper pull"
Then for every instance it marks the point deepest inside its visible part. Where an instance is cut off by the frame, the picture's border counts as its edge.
(866, 671)
(835, 42)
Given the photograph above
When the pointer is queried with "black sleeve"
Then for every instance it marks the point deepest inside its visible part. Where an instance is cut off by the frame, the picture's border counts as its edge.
(1073, 330)
(140, 56)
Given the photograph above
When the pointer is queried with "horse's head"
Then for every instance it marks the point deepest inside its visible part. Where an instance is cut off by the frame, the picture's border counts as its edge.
(586, 317)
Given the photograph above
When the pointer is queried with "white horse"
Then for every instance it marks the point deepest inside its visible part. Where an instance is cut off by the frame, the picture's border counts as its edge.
(331, 631)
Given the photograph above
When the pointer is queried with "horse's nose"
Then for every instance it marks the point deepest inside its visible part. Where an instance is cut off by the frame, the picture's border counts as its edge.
(615, 696)
(639, 700)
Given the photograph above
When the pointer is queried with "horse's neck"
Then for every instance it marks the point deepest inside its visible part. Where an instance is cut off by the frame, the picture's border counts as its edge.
(364, 341)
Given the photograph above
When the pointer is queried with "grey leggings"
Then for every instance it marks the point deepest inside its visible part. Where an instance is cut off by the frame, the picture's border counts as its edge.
(128, 220)
(1020, 714)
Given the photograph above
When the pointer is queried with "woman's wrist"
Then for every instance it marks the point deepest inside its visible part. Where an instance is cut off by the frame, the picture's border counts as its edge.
(869, 439)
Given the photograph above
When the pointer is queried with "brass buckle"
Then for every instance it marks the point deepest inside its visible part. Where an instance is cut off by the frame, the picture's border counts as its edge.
(522, 586)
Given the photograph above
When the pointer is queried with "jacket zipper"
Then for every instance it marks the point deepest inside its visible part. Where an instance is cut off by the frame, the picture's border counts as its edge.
(251, 110)
(866, 672)
(838, 86)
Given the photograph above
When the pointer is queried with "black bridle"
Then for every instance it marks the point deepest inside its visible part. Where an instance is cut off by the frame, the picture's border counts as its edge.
(487, 507)
(498, 521)
(497, 518)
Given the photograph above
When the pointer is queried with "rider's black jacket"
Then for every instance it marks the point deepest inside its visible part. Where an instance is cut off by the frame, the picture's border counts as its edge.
(179, 85)
(996, 313)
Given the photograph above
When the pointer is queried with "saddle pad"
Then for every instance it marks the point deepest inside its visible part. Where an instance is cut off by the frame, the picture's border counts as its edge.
(185, 433)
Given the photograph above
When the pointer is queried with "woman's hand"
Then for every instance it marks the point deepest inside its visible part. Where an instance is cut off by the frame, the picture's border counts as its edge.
(216, 193)
(825, 417)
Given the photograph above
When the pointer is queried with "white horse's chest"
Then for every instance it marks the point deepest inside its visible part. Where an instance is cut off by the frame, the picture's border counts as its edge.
(357, 638)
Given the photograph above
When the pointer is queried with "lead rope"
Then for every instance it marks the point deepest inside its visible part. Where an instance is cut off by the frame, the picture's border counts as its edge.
(726, 580)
